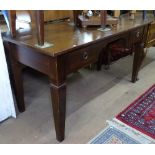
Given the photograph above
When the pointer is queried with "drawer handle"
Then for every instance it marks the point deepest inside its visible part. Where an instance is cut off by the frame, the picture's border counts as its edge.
(85, 55)
(138, 34)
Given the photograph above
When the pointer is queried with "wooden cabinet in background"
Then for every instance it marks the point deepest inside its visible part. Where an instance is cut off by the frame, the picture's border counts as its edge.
(57, 14)
(27, 16)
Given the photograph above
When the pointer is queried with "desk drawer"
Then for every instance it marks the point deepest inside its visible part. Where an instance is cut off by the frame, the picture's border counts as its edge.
(82, 57)
(137, 35)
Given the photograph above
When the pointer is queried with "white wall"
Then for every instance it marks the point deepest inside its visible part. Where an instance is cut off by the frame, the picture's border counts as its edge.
(6, 100)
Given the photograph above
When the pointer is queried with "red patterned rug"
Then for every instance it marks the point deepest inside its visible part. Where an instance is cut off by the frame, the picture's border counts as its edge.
(141, 113)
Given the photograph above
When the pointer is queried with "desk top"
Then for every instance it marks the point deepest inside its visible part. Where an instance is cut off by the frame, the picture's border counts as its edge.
(66, 37)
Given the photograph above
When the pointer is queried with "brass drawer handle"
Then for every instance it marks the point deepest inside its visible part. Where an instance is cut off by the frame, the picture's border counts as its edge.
(138, 34)
(85, 55)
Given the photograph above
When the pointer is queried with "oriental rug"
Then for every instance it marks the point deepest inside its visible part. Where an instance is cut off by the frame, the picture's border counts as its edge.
(112, 135)
(140, 114)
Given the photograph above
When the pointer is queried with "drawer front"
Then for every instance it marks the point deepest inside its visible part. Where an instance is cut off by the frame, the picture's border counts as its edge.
(137, 35)
(82, 57)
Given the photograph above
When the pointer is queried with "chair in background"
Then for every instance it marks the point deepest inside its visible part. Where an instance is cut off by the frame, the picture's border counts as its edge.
(35, 20)
(25, 18)
(114, 51)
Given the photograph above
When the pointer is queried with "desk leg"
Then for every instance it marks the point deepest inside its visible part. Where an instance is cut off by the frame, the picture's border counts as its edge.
(139, 56)
(59, 109)
(18, 85)
(58, 94)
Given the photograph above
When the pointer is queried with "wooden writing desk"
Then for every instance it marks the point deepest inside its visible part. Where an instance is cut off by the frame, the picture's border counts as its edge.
(72, 49)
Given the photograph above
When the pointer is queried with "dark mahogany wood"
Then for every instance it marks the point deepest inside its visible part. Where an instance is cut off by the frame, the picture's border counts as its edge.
(139, 56)
(40, 26)
(18, 85)
(57, 78)
(72, 49)
(16, 70)
(58, 94)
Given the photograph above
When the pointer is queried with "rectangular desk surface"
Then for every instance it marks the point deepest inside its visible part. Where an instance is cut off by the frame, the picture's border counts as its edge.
(65, 37)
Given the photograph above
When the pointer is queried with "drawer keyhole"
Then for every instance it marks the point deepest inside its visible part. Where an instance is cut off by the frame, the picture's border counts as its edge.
(85, 55)
(138, 34)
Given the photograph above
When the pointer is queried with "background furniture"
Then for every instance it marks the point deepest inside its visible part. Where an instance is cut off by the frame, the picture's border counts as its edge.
(34, 20)
(2, 20)
(115, 51)
(50, 15)
(150, 40)
(17, 17)
(132, 14)
(145, 14)
(96, 18)
(5, 16)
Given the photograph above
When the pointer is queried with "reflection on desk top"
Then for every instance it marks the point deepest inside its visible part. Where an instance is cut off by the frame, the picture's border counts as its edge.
(66, 37)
